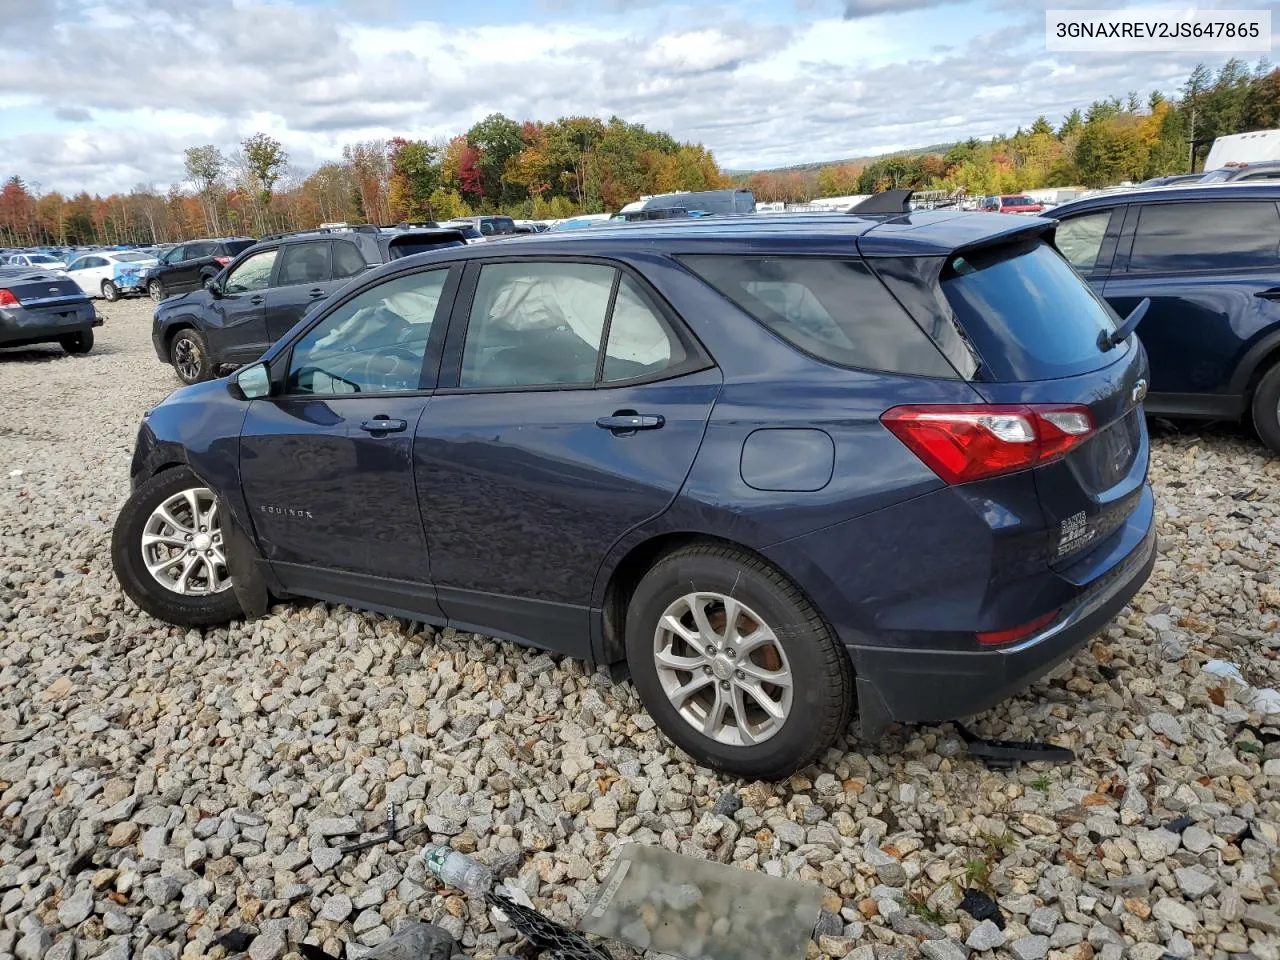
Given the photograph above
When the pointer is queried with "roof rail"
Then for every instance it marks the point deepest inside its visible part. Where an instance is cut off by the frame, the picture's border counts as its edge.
(887, 201)
(353, 228)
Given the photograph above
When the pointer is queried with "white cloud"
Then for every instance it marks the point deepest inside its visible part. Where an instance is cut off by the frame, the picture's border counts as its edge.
(123, 89)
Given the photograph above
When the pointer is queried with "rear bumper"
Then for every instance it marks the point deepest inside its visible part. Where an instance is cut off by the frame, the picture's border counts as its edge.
(18, 327)
(928, 686)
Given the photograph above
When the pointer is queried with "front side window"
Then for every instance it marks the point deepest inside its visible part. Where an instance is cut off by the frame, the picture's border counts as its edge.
(173, 256)
(304, 263)
(376, 342)
(835, 310)
(1206, 235)
(253, 273)
(1080, 239)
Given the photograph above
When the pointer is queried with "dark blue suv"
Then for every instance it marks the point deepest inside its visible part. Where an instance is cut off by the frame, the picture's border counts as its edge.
(1208, 258)
(783, 469)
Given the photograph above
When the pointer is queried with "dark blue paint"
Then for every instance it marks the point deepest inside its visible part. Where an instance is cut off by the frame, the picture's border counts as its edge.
(511, 512)
(1208, 334)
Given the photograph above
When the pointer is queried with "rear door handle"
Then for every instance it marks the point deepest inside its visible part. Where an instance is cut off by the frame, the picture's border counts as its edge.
(1272, 294)
(255, 300)
(317, 292)
(625, 421)
(383, 425)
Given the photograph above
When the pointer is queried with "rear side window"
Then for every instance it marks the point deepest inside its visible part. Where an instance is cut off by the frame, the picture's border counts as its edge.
(347, 260)
(835, 310)
(1209, 235)
(1080, 239)
(1029, 315)
(303, 263)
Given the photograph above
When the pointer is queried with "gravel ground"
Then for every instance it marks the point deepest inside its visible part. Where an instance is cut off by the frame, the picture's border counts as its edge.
(160, 788)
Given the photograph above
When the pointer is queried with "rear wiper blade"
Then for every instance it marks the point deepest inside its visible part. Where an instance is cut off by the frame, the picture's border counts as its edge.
(1108, 340)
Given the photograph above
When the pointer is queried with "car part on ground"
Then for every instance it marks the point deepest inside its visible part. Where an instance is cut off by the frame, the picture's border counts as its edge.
(679, 446)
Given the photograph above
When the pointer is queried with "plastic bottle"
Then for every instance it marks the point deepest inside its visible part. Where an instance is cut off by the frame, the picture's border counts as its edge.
(457, 870)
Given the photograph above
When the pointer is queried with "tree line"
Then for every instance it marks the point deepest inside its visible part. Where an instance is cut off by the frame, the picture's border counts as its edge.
(1111, 141)
(577, 165)
(532, 170)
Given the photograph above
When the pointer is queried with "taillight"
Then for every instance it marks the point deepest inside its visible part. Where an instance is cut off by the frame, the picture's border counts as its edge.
(7, 299)
(968, 442)
(991, 638)
(222, 261)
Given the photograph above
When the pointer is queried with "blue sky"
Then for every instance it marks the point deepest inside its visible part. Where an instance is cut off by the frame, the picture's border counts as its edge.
(105, 95)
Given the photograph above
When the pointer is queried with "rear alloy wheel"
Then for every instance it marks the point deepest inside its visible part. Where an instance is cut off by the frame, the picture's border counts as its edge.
(74, 343)
(190, 356)
(168, 551)
(1266, 409)
(110, 291)
(735, 665)
(155, 290)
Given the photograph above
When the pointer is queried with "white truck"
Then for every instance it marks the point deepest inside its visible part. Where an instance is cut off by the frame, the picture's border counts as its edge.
(1241, 148)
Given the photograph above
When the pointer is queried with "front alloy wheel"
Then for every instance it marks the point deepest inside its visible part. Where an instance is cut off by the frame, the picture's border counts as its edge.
(169, 554)
(182, 544)
(155, 290)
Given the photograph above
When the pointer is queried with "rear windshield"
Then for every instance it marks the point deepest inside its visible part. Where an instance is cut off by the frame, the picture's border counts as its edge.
(237, 246)
(1028, 314)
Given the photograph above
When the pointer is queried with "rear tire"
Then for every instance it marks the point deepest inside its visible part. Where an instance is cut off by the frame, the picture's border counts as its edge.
(110, 292)
(189, 354)
(138, 518)
(155, 290)
(75, 343)
(812, 701)
(1266, 409)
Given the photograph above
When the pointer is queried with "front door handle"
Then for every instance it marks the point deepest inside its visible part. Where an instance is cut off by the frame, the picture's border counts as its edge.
(628, 421)
(255, 300)
(1272, 294)
(317, 292)
(383, 425)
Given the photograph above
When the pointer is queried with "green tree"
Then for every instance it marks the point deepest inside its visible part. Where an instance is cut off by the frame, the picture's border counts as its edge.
(1041, 127)
(415, 176)
(497, 139)
(265, 160)
(1071, 124)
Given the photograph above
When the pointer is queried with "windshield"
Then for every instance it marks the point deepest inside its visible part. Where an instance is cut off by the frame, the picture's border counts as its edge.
(129, 257)
(1019, 202)
(43, 258)
(1030, 316)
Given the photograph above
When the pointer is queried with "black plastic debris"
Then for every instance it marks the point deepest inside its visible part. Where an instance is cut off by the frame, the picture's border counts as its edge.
(728, 803)
(236, 941)
(1005, 754)
(393, 834)
(544, 934)
(981, 907)
(1180, 824)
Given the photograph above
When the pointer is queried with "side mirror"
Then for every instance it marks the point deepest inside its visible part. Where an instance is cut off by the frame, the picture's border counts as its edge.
(253, 381)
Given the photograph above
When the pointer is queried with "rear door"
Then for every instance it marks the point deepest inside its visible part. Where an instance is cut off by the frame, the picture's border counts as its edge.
(303, 276)
(542, 449)
(185, 274)
(1036, 327)
(1212, 271)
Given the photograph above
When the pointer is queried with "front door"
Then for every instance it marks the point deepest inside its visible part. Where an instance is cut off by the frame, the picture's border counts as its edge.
(240, 331)
(545, 449)
(1212, 273)
(327, 464)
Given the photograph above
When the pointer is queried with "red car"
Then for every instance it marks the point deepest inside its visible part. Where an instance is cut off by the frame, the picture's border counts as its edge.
(1011, 203)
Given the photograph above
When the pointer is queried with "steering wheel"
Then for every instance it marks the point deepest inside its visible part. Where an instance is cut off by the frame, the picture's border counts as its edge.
(394, 363)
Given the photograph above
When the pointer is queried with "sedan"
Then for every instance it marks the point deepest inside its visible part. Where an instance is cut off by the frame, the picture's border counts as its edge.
(110, 274)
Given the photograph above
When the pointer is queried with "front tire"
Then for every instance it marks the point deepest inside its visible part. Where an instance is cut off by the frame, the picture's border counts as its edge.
(735, 664)
(76, 343)
(189, 354)
(155, 290)
(168, 553)
(110, 292)
(1266, 409)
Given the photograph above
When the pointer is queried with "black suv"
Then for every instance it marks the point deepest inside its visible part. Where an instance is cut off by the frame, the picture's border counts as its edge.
(1206, 256)
(189, 266)
(260, 295)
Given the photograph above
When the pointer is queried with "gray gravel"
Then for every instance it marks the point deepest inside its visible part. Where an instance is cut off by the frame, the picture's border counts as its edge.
(160, 788)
